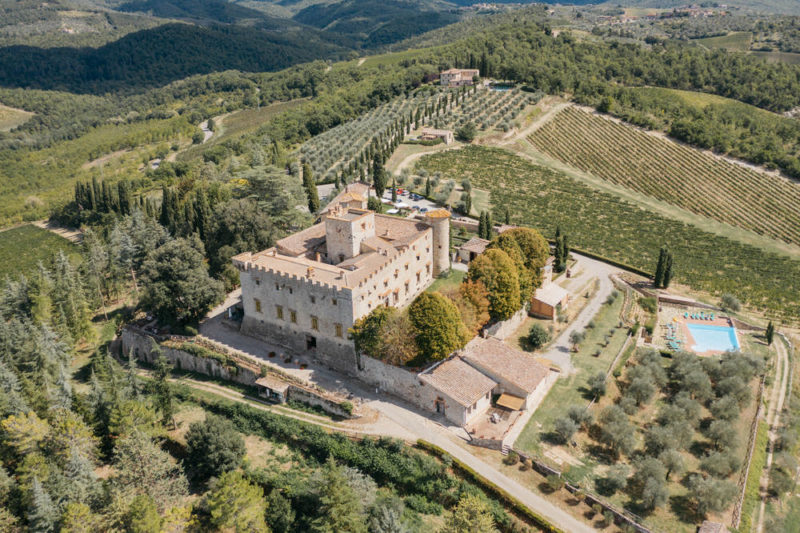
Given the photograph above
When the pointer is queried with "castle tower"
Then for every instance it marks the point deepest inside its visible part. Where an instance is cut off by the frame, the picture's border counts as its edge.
(439, 220)
(345, 230)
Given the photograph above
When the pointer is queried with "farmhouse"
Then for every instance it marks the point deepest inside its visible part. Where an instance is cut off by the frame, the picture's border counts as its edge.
(458, 77)
(465, 383)
(431, 134)
(308, 290)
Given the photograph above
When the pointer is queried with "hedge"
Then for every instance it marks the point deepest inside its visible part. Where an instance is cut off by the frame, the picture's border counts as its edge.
(518, 507)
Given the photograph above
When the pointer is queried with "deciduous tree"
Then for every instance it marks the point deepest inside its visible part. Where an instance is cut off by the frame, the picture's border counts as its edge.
(214, 447)
(437, 325)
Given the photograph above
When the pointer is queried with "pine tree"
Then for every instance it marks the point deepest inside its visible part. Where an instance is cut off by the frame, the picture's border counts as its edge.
(770, 333)
(42, 514)
(340, 508)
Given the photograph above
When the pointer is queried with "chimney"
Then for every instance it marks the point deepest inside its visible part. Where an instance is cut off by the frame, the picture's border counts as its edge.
(317, 257)
(310, 272)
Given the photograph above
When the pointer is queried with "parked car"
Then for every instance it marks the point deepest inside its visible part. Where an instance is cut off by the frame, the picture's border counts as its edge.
(423, 210)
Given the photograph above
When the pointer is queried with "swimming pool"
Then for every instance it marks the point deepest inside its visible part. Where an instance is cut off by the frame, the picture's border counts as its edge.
(713, 338)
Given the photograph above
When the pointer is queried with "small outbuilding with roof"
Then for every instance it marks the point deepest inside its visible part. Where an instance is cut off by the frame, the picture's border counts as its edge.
(462, 391)
(472, 249)
(547, 301)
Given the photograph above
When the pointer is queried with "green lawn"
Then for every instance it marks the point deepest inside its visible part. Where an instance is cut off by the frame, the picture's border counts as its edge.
(452, 279)
(737, 40)
(22, 248)
(11, 118)
(570, 390)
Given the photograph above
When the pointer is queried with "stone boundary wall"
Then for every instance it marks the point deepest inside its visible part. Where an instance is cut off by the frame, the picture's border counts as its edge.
(621, 516)
(399, 382)
(502, 330)
(141, 343)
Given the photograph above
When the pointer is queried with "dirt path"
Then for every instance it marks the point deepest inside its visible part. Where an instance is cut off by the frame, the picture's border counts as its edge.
(411, 158)
(536, 124)
(361, 61)
(70, 234)
(776, 400)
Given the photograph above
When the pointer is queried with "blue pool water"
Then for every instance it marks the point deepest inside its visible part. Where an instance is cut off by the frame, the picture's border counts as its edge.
(716, 338)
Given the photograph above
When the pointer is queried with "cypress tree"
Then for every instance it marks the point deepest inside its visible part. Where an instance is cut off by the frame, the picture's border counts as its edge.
(507, 215)
(482, 224)
(124, 194)
(658, 279)
(668, 269)
(558, 259)
(564, 251)
(394, 190)
(165, 216)
(378, 176)
(770, 333)
(428, 187)
(489, 226)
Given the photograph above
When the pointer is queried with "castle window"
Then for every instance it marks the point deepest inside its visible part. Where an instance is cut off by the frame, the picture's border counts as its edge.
(293, 316)
(417, 277)
(290, 290)
(278, 287)
(333, 301)
(428, 268)
(406, 287)
(279, 312)
(313, 299)
(417, 257)
(258, 282)
(396, 273)
(258, 305)
(314, 323)
(338, 330)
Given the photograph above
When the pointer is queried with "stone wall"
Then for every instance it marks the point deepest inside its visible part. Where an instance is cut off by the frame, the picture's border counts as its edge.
(141, 344)
(503, 329)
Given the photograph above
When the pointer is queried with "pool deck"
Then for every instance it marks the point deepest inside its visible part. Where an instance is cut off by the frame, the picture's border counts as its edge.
(676, 316)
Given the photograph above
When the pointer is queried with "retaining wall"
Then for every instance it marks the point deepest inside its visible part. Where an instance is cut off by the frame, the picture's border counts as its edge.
(141, 343)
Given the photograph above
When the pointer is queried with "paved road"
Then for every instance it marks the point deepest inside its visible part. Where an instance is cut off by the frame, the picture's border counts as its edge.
(559, 351)
(397, 417)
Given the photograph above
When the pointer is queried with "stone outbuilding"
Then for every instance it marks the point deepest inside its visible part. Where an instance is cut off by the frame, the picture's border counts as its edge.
(548, 300)
(272, 389)
(522, 381)
(462, 391)
(431, 134)
(472, 249)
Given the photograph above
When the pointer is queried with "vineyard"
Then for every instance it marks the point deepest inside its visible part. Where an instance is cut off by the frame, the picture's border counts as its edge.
(668, 171)
(344, 152)
(605, 224)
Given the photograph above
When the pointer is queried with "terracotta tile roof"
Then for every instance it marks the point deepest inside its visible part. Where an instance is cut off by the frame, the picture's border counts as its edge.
(476, 245)
(459, 381)
(496, 357)
(551, 294)
(273, 384)
(438, 213)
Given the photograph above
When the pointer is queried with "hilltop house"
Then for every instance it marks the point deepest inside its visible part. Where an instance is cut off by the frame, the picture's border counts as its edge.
(455, 77)
(308, 290)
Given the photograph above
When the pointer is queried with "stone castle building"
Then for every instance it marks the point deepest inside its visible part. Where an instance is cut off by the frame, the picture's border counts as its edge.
(308, 290)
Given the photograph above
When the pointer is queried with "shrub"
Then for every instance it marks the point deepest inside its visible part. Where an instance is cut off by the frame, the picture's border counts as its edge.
(538, 336)
(730, 303)
(555, 482)
(512, 458)
(347, 407)
(648, 304)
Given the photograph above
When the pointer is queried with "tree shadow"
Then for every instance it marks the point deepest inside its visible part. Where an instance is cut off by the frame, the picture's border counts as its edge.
(682, 507)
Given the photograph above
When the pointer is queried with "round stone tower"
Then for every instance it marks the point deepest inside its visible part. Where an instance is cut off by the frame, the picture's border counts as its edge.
(439, 220)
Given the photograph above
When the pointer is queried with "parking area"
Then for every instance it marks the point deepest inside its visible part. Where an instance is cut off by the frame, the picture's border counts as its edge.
(408, 200)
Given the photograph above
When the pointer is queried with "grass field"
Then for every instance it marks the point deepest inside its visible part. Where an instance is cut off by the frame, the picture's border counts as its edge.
(452, 279)
(569, 390)
(668, 171)
(22, 248)
(10, 117)
(738, 40)
(605, 224)
(239, 123)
